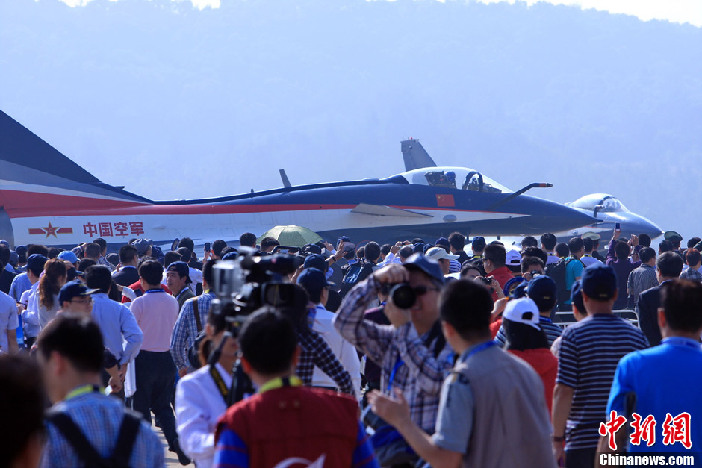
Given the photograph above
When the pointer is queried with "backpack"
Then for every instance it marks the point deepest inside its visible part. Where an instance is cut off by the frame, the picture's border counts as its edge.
(194, 349)
(128, 430)
(354, 274)
(557, 272)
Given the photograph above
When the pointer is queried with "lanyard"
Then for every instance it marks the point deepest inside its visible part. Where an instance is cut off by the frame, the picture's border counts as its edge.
(221, 386)
(82, 390)
(679, 341)
(293, 381)
(151, 291)
(398, 364)
(479, 348)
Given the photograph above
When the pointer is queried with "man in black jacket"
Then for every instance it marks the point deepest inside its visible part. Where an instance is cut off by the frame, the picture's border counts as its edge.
(127, 274)
(668, 267)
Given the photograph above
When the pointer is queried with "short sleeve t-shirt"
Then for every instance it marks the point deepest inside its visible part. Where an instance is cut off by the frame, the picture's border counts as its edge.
(9, 320)
(455, 419)
(662, 380)
(587, 360)
(574, 270)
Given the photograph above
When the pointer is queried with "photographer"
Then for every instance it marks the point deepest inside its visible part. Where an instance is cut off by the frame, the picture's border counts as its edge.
(412, 352)
(204, 395)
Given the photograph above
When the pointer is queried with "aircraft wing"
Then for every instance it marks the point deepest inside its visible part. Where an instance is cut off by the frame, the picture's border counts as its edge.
(382, 210)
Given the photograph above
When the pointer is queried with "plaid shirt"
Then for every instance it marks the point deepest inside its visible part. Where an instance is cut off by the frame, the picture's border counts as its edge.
(640, 279)
(185, 330)
(316, 352)
(420, 376)
(691, 274)
(99, 418)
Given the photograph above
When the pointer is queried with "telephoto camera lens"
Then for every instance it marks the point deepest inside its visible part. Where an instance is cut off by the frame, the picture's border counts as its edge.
(403, 295)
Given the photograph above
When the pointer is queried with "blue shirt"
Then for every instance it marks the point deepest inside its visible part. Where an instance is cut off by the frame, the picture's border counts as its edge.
(119, 328)
(574, 270)
(665, 379)
(99, 418)
(20, 284)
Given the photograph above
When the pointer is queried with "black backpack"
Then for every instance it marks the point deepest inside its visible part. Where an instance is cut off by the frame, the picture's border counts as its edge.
(354, 274)
(126, 437)
(557, 272)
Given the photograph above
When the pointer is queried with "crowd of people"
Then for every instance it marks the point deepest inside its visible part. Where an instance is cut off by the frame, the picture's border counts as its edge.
(537, 355)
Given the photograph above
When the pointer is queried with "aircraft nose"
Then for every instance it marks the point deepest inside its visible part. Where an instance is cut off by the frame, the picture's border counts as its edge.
(547, 216)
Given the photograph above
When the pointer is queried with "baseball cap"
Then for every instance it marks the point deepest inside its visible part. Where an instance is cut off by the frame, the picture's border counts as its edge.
(599, 282)
(315, 261)
(590, 235)
(312, 249)
(542, 290)
(438, 253)
(576, 296)
(36, 262)
(313, 280)
(478, 242)
(142, 245)
(443, 242)
(522, 310)
(74, 289)
(514, 258)
(672, 236)
(181, 268)
(68, 255)
(426, 265)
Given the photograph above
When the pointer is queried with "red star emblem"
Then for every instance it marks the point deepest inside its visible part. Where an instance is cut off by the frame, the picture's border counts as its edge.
(50, 231)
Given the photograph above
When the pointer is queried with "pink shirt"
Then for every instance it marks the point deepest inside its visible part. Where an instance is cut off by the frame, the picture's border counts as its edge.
(156, 313)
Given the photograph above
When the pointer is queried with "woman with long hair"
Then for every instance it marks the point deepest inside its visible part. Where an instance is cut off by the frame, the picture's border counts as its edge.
(53, 278)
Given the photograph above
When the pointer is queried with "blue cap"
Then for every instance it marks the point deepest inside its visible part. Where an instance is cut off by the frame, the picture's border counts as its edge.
(312, 249)
(68, 255)
(313, 280)
(344, 239)
(181, 268)
(542, 290)
(443, 242)
(515, 287)
(142, 245)
(73, 289)
(315, 261)
(599, 282)
(36, 262)
(576, 296)
(425, 265)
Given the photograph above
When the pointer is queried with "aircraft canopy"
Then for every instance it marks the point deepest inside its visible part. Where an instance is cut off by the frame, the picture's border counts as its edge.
(609, 203)
(460, 178)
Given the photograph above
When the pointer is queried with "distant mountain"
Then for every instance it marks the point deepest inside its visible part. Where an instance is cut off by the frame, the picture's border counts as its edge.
(173, 102)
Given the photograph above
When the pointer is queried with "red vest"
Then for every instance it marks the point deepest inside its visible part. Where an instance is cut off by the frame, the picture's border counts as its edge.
(295, 423)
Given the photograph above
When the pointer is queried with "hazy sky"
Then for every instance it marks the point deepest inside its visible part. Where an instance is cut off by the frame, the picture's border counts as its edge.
(217, 99)
(679, 11)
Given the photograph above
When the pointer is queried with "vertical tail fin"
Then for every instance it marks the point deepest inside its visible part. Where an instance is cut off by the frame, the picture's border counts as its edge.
(415, 155)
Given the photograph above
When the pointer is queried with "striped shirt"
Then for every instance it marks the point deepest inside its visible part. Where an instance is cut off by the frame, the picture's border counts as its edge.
(640, 279)
(589, 354)
(552, 332)
(185, 330)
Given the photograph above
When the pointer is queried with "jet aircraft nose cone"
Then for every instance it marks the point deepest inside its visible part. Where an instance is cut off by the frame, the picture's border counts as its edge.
(548, 216)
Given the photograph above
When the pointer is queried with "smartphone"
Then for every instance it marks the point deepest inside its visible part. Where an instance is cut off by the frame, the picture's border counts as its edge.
(617, 227)
(208, 246)
(174, 245)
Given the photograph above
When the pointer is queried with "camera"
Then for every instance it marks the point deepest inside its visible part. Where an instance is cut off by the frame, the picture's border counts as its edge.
(252, 281)
(402, 294)
(484, 280)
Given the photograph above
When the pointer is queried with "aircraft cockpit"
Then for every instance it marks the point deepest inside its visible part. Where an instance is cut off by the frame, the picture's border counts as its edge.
(603, 202)
(454, 177)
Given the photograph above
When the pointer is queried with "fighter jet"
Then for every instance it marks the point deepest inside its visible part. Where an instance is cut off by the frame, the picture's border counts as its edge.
(610, 212)
(47, 198)
(607, 210)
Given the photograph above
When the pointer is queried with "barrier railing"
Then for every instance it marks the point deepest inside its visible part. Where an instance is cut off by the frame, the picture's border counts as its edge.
(565, 318)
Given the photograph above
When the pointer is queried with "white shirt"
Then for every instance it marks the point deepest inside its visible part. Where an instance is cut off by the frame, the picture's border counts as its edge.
(198, 406)
(389, 258)
(587, 260)
(343, 350)
(9, 320)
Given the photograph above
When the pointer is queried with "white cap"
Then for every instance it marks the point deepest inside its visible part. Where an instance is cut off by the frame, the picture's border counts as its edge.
(514, 258)
(437, 253)
(522, 310)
